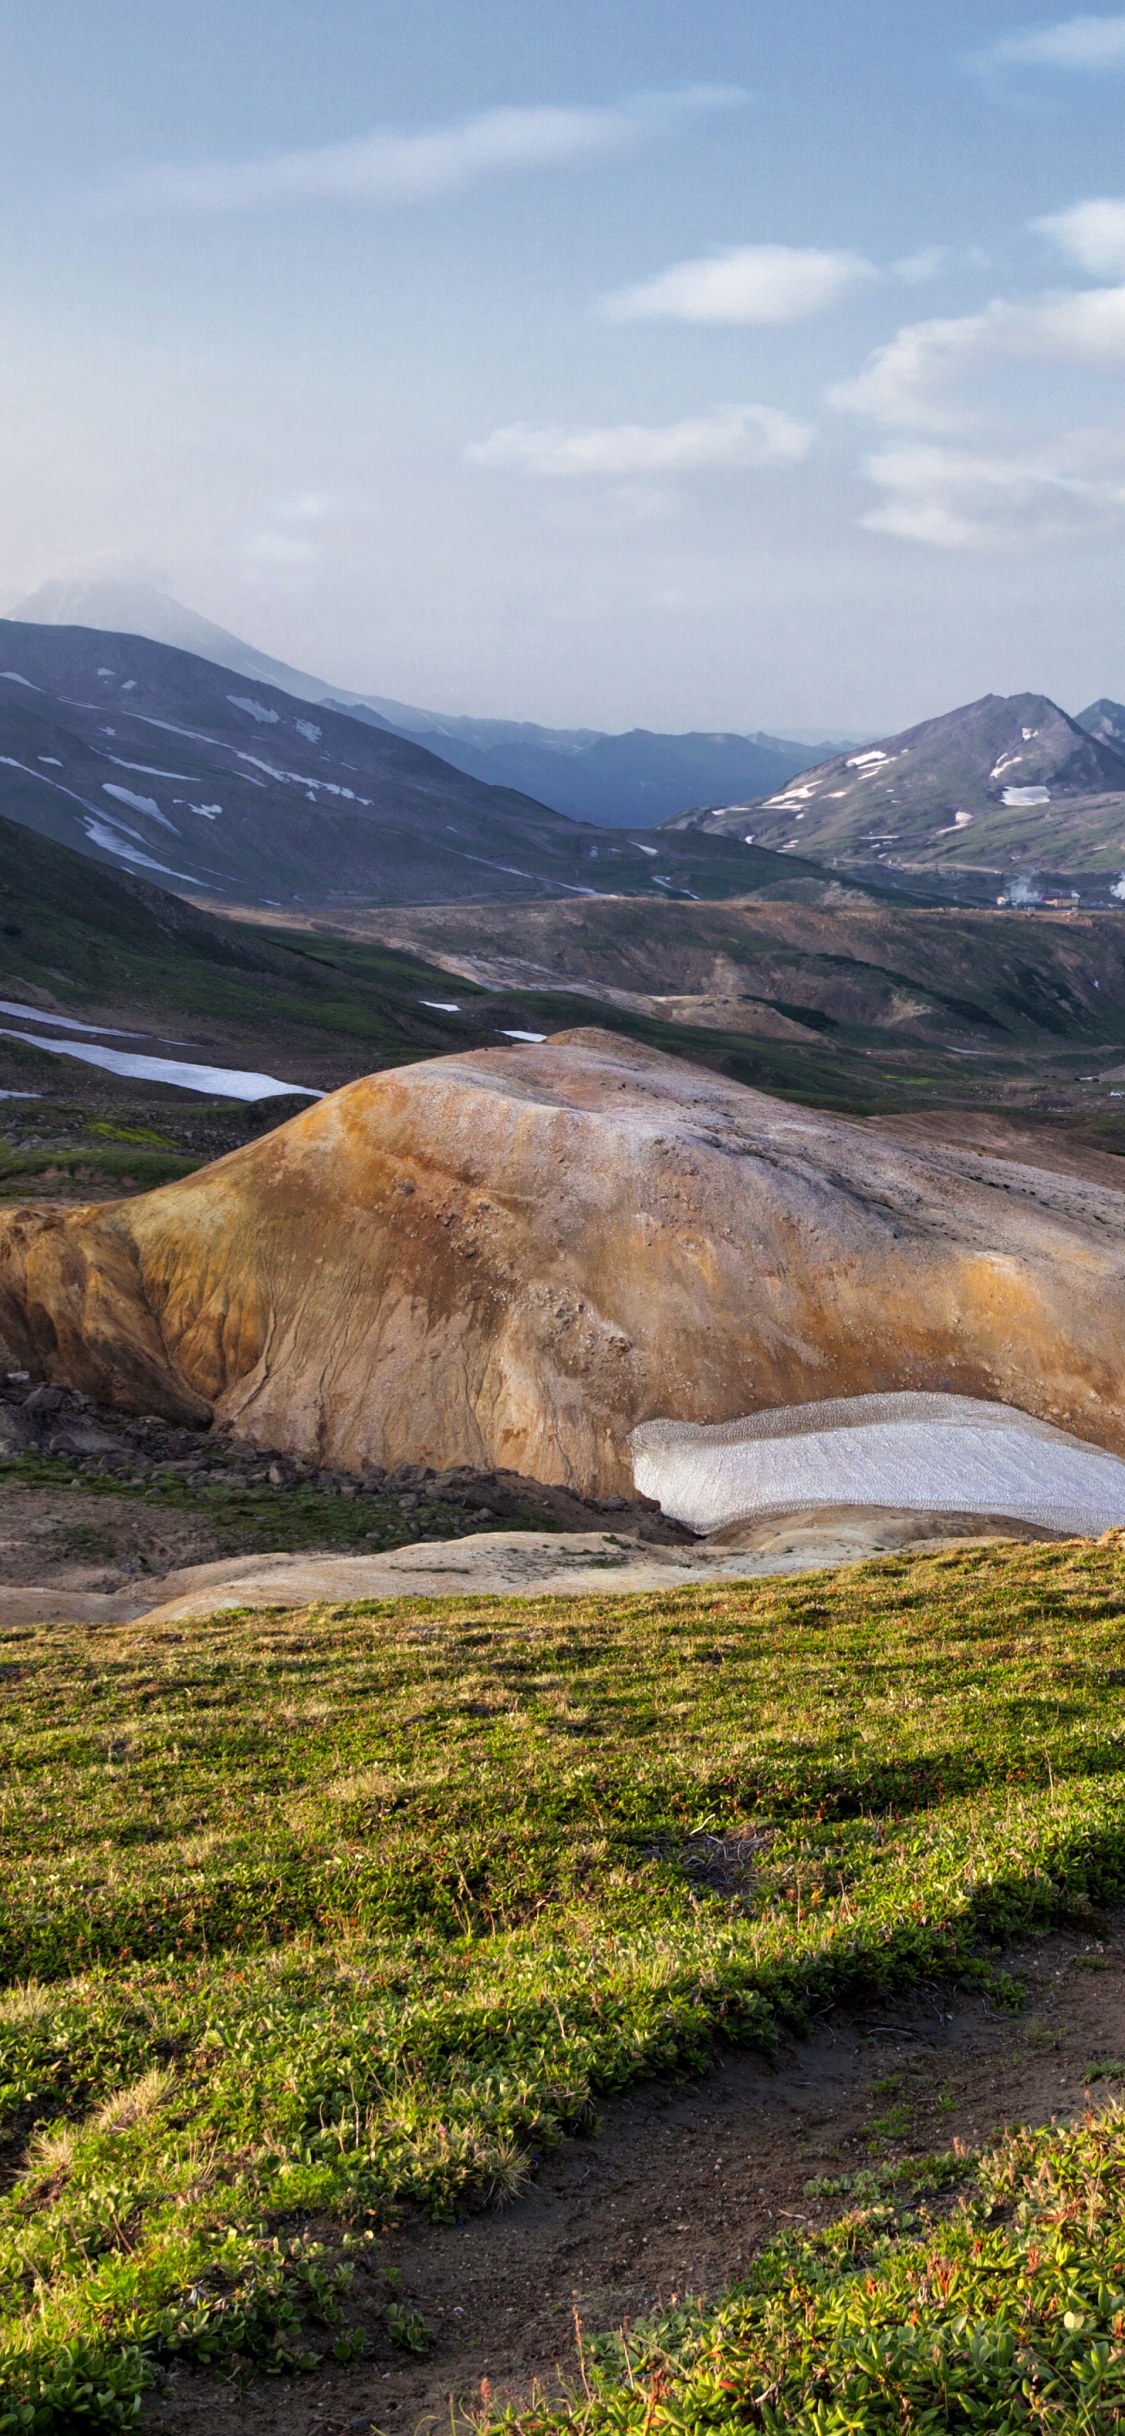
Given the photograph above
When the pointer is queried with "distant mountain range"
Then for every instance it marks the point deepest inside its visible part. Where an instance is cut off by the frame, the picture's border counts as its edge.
(155, 760)
(632, 781)
(639, 779)
(1006, 783)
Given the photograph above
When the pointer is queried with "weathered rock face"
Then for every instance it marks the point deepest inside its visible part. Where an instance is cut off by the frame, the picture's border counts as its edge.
(513, 1257)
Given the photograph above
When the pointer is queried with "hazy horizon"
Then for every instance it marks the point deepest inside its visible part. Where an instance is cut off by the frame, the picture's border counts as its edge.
(621, 368)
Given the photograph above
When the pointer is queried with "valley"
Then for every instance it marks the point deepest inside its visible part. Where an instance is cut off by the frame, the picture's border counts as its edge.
(402, 1806)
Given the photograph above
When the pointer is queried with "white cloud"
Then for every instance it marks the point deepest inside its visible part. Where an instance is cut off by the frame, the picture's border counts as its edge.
(732, 436)
(745, 283)
(388, 167)
(1000, 489)
(304, 507)
(925, 264)
(1093, 234)
(1072, 488)
(909, 383)
(1085, 43)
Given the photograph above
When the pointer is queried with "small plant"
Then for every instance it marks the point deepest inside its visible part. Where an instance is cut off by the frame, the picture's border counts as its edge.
(407, 2328)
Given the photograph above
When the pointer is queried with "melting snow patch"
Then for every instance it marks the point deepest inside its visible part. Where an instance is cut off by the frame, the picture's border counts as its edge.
(65, 1023)
(256, 710)
(536, 1037)
(139, 803)
(207, 811)
(444, 1006)
(113, 841)
(306, 727)
(14, 679)
(144, 769)
(224, 1082)
(859, 760)
(1026, 795)
(945, 1454)
(50, 760)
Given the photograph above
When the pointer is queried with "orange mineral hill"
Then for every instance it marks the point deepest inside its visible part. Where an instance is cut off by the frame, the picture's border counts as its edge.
(515, 1256)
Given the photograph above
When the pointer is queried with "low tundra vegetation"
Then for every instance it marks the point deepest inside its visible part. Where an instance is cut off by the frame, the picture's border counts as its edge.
(1005, 2314)
(307, 1917)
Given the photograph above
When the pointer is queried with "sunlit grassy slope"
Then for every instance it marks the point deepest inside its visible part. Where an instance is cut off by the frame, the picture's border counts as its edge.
(304, 1915)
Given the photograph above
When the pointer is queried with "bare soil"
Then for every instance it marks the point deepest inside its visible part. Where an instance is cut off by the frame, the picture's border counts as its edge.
(65, 1541)
(682, 2184)
(1060, 1148)
(77, 1535)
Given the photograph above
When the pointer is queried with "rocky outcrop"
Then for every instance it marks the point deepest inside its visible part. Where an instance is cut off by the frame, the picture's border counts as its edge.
(513, 1257)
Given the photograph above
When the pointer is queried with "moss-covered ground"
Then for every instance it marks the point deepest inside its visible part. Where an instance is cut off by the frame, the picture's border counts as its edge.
(309, 1915)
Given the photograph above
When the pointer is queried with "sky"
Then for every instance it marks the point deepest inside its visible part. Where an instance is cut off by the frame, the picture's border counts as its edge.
(664, 363)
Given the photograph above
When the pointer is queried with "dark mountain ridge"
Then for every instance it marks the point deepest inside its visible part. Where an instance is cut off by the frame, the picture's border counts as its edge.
(614, 781)
(153, 759)
(640, 779)
(1105, 720)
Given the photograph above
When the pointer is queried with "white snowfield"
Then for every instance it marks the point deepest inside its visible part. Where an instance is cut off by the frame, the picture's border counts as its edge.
(949, 1454)
(221, 1082)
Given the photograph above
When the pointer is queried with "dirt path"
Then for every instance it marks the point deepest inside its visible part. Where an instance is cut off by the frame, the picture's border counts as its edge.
(681, 2186)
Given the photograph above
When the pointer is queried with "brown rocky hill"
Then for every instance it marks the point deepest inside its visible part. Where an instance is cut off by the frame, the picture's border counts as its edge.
(511, 1257)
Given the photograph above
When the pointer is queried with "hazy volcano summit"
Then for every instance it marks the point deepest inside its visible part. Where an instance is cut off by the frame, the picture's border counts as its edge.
(634, 780)
(1005, 781)
(163, 762)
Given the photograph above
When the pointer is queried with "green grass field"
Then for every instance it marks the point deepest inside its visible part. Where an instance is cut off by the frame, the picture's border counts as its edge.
(307, 1916)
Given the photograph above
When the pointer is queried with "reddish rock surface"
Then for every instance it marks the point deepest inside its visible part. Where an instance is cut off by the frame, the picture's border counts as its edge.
(514, 1256)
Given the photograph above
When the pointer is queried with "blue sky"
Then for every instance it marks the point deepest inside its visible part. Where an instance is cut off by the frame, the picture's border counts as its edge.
(681, 363)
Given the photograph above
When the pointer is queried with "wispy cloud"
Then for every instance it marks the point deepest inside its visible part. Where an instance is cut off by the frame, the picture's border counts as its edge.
(956, 499)
(744, 283)
(732, 436)
(912, 383)
(995, 490)
(1093, 234)
(286, 539)
(389, 166)
(1085, 44)
(927, 263)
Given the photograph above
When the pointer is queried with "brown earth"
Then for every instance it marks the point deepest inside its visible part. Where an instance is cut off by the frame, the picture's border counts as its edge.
(683, 2184)
(149, 1508)
(58, 1538)
(1064, 1152)
(511, 1257)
